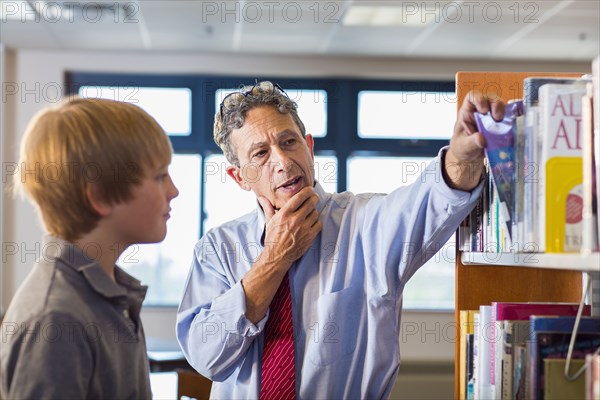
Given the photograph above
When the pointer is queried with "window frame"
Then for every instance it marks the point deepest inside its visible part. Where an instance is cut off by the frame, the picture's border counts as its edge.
(341, 140)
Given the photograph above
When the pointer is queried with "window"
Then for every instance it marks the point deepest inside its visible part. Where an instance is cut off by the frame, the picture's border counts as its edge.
(370, 136)
(171, 107)
(402, 114)
(432, 286)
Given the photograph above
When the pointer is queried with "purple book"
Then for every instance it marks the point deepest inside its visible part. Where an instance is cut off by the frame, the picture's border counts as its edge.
(499, 150)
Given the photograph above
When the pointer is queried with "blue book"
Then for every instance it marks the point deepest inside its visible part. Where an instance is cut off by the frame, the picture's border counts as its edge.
(550, 338)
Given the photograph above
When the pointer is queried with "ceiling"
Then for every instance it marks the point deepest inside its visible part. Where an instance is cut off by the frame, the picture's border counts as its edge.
(520, 30)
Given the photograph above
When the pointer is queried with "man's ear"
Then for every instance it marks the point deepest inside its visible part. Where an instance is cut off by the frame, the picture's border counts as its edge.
(310, 141)
(102, 207)
(236, 174)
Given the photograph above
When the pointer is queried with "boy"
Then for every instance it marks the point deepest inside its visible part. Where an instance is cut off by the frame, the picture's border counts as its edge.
(98, 173)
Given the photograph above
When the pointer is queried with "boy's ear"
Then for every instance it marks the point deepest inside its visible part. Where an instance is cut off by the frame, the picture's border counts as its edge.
(99, 205)
(236, 174)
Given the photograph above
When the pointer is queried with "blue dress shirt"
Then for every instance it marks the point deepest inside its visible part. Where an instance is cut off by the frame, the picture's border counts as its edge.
(346, 291)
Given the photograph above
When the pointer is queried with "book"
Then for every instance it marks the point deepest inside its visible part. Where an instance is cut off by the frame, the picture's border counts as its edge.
(499, 151)
(531, 240)
(596, 130)
(466, 326)
(520, 372)
(484, 388)
(518, 236)
(469, 394)
(550, 338)
(515, 336)
(503, 316)
(517, 311)
(590, 199)
(476, 370)
(592, 377)
(556, 386)
(560, 199)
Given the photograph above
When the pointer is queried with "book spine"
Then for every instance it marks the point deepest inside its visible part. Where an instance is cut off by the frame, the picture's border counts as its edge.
(484, 376)
(507, 361)
(530, 181)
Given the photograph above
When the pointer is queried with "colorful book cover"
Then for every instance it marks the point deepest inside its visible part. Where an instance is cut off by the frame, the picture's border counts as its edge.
(531, 240)
(561, 190)
(499, 150)
(550, 338)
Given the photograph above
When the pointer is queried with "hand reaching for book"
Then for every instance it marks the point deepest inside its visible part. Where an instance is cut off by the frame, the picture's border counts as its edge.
(464, 160)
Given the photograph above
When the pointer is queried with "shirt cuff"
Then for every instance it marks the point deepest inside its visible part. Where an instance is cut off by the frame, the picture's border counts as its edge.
(456, 197)
(231, 308)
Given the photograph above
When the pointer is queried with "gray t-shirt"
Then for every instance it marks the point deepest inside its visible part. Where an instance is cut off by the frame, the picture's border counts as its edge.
(71, 332)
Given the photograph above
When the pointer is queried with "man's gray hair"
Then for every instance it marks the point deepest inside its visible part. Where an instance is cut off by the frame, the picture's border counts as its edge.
(232, 112)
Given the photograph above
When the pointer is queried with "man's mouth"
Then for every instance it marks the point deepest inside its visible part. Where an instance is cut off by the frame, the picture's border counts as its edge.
(291, 183)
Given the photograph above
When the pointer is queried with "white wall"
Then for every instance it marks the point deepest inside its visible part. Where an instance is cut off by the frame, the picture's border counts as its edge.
(38, 74)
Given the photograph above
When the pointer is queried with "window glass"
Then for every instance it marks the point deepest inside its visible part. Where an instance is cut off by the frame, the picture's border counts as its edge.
(224, 199)
(171, 107)
(406, 115)
(383, 174)
(312, 107)
(326, 168)
(432, 286)
(164, 266)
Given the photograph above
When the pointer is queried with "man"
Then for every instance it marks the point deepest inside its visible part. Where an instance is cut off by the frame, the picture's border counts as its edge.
(303, 297)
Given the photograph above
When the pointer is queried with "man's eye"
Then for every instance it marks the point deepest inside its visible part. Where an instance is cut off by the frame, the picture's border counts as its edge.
(260, 153)
(290, 142)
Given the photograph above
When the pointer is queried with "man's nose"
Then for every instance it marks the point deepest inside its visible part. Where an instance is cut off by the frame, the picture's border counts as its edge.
(281, 160)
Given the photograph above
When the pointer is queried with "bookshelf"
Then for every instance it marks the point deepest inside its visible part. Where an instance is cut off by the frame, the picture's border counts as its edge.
(565, 262)
(485, 277)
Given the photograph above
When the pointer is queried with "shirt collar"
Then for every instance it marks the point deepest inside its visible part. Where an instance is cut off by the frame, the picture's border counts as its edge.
(260, 214)
(75, 258)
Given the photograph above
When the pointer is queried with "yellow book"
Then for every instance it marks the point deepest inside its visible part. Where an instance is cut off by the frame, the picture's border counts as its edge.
(561, 168)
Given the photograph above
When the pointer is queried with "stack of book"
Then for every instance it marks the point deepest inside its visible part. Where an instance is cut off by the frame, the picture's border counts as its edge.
(543, 163)
(520, 350)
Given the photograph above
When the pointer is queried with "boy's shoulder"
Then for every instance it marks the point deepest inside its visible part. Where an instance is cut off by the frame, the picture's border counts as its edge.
(51, 288)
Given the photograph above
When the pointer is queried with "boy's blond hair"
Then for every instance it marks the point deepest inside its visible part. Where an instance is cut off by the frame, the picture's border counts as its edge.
(106, 145)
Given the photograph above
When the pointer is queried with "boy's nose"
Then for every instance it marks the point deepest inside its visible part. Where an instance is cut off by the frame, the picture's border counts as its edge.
(173, 192)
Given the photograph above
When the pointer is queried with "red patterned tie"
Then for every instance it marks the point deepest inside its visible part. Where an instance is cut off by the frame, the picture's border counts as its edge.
(278, 380)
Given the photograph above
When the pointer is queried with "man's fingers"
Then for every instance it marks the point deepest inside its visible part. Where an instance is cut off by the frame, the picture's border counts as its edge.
(476, 101)
(498, 110)
(298, 199)
(267, 207)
